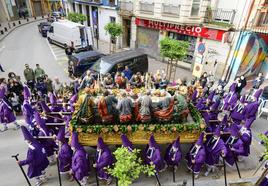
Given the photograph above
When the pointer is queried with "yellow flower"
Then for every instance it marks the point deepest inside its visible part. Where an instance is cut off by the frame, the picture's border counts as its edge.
(116, 128)
(151, 127)
(129, 128)
(141, 127)
(79, 130)
(104, 130)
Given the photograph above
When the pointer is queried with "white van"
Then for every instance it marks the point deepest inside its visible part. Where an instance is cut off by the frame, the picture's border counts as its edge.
(67, 33)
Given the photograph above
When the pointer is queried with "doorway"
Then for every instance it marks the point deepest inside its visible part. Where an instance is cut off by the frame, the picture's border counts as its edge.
(127, 33)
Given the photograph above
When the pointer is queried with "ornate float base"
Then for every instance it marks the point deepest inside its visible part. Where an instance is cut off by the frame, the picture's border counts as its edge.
(138, 137)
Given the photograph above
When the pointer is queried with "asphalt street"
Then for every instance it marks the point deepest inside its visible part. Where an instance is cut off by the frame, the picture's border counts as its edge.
(25, 45)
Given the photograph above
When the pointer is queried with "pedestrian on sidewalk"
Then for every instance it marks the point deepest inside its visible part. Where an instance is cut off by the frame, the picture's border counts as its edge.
(38, 72)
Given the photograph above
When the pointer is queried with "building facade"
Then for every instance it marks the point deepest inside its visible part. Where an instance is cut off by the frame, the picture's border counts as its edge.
(250, 55)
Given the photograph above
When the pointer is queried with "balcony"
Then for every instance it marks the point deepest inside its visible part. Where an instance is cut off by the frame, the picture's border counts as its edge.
(110, 3)
(147, 8)
(220, 17)
(171, 10)
(126, 8)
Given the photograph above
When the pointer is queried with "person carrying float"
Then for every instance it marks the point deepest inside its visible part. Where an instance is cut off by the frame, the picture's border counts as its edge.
(104, 159)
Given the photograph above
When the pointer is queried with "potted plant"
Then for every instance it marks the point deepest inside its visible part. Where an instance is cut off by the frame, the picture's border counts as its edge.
(128, 166)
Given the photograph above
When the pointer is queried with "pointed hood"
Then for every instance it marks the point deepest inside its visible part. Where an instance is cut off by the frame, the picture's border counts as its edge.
(74, 142)
(217, 131)
(194, 96)
(73, 99)
(61, 134)
(126, 142)
(44, 106)
(258, 93)
(243, 99)
(232, 87)
(101, 144)
(176, 143)
(41, 122)
(26, 92)
(52, 99)
(224, 120)
(211, 95)
(2, 92)
(234, 130)
(152, 141)
(26, 134)
(200, 139)
(215, 106)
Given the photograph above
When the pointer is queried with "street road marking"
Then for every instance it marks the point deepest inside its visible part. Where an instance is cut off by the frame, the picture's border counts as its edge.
(51, 50)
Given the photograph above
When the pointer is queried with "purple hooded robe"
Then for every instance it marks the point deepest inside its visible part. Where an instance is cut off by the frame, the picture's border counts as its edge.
(153, 154)
(238, 111)
(235, 146)
(80, 160)
(36, 156)
(65, 152)
(214, 148)
(198, 154)
(6, 112)
(126, 143)
(173, 153)
(104, 159)
(231, 98)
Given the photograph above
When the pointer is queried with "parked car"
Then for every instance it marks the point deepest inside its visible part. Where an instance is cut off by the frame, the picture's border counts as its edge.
(54, 16)
(66, 33)
(43, 28)
(136, 60)
(82, 61)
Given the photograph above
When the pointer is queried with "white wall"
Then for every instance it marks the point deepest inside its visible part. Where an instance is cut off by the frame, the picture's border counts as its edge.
(104, 18)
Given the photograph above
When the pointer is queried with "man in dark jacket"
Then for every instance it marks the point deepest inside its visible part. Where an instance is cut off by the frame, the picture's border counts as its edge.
(29, 76)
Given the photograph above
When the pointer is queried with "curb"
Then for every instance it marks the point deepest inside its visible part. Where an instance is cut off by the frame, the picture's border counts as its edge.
(11, 30)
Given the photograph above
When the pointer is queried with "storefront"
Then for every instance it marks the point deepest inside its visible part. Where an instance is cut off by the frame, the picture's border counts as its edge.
(149, 32)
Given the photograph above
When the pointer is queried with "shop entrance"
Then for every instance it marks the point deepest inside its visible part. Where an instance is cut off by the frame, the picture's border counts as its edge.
(126, 33)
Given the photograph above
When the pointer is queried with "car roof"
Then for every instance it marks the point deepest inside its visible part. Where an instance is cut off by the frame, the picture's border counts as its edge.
(82, 55)
(121, 56)
(68, 24)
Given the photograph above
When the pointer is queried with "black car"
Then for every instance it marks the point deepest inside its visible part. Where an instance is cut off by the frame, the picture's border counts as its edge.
(43, 28)
(136, 61)
(80, 62)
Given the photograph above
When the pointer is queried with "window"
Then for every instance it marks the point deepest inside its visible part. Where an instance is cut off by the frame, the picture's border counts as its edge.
(112, 19)
(195, 8)
(112, 2)
(80, 9)
(264, 19)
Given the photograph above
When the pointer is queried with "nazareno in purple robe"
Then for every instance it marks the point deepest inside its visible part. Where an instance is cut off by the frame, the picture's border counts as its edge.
(6, 112)
(36, 156)
(173, 153)
(264, 182)
(197, 152)
(246, 137)
(214, 148)
(49, 144)
(80, 160)
(235, 143)
(153, 154)
(65, 152)
(104, 159)
(238, 111)
(126, 143)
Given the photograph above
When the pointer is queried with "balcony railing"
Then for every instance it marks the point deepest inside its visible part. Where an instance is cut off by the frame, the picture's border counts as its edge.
(126, 7)
(147, 7)
(220, 16)
(169, 9)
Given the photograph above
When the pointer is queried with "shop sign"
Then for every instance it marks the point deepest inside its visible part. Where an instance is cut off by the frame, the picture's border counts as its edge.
(197, 70)
(182, 29)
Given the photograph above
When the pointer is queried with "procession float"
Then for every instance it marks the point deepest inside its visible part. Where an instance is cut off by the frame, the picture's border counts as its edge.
(180, 119)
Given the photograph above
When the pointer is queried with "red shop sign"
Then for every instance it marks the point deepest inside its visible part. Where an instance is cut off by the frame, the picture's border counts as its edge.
(182, 29)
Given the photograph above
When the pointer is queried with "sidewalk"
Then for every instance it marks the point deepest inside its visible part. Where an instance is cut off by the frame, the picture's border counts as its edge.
(7, 27)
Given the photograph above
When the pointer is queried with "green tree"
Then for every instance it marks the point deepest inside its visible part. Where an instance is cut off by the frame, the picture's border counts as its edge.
(128, 166)
(174, 50)
(77, 18)
(114, 30)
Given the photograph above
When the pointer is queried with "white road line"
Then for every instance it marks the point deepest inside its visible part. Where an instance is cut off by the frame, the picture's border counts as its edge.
(55, 57)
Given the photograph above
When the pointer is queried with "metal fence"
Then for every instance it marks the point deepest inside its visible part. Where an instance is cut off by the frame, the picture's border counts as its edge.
(220, 15)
